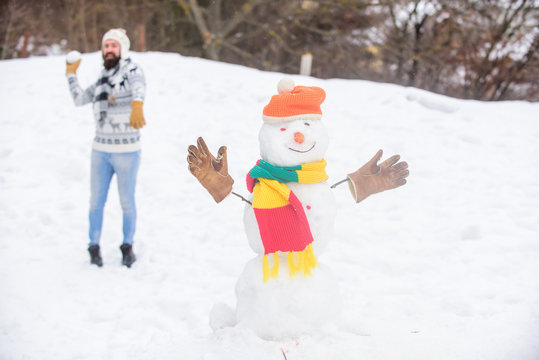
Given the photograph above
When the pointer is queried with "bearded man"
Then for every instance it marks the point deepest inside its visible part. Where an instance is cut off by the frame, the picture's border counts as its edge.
(117, 97)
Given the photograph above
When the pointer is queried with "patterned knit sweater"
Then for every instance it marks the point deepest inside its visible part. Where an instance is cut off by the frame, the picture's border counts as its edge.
(111, 96)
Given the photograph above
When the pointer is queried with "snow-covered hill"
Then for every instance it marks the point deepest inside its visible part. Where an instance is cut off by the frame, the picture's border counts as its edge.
(443, 268)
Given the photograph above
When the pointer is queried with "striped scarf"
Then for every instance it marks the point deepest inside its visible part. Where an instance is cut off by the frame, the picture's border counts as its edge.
(103, 91)
(281, 219)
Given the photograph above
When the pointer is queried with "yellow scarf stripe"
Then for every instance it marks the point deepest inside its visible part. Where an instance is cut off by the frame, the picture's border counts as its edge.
(312, 172)
(270, 199)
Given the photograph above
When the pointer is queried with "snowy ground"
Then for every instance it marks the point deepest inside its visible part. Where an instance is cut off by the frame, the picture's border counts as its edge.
(445, 268)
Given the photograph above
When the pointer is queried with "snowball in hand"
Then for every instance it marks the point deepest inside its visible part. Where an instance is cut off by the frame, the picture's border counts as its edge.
(73, 56)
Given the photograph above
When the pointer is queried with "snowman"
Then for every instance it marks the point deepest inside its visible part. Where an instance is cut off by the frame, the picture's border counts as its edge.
(285, 291)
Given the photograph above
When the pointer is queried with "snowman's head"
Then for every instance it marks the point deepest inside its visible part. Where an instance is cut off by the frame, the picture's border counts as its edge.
(293, 143)
(292, 133)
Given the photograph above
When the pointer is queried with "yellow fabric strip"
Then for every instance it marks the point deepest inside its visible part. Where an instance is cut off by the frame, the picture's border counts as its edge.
(276, 197)
(268, 272)
(305, 261)
(312, 172)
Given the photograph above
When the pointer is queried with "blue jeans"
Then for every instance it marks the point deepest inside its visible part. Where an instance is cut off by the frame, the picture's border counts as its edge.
(103, 166)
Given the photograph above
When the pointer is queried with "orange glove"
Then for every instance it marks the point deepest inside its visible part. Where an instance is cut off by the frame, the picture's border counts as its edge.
(72, 68)
(372, 178)
(136, 120)
(211, 172)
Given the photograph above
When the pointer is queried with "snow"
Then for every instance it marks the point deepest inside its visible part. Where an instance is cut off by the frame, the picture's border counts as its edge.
(73, 56)
(443, 268)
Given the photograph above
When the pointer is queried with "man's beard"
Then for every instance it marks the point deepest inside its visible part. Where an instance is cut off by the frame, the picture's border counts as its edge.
(110, 62)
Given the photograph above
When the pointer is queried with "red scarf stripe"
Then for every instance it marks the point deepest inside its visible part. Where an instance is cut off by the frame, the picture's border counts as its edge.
(284, 228)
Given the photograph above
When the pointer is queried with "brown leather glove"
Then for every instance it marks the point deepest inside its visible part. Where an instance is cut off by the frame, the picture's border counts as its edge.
(136, 120)
(211, 172)
(72, 68)
(372, 178)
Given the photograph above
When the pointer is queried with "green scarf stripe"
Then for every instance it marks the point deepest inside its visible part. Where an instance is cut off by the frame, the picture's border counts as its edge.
(281, 174)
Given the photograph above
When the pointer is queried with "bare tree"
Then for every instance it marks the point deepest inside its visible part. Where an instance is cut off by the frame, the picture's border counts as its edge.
(481, 49)
(496, 46)
(219, 23)
(12, 13)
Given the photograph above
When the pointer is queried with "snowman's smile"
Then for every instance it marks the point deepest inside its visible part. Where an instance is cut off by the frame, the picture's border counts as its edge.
(312, 147)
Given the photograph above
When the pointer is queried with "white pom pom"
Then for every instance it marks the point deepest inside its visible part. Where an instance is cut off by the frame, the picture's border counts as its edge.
(73, 56)
(286, 85)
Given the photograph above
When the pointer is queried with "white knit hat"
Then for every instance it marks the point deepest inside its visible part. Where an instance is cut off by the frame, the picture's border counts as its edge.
(120, 36)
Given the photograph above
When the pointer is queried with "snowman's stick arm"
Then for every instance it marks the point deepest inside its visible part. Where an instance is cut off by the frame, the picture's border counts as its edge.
(241, 197)
(338, 183)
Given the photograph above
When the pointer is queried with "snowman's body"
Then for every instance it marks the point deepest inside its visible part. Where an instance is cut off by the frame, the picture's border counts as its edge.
(290, 306)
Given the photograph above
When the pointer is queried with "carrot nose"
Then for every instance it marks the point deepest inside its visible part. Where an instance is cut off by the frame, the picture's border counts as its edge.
(299, 138)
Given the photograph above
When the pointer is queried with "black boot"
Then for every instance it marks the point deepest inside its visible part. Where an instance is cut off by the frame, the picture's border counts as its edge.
(95, 255)
(128, 256)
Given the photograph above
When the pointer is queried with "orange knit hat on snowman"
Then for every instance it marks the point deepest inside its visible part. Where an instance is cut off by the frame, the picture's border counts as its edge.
(294, 103)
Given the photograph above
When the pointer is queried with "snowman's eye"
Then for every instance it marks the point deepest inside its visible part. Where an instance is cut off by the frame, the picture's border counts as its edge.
(283, 129)
(307, 124)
